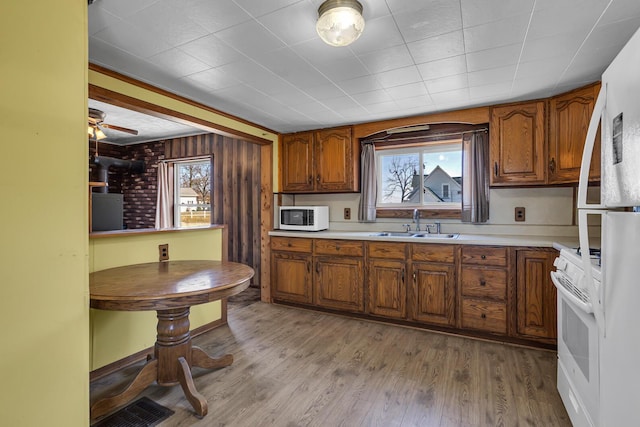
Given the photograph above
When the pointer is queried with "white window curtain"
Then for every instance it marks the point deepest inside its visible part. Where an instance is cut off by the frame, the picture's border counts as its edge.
(369, 183)
(475, 188)
(164, 214)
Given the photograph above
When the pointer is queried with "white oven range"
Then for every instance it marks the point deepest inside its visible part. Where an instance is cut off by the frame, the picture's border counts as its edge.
(578, 364)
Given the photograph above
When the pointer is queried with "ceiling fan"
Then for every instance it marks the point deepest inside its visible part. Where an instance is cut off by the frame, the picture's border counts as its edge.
(96, 124)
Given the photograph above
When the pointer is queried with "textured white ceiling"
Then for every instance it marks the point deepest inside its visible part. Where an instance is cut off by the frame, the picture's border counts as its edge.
(263, 61)
(149, 128)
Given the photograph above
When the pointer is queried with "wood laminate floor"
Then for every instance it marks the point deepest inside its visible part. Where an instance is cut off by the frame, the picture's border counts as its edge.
(294, 367)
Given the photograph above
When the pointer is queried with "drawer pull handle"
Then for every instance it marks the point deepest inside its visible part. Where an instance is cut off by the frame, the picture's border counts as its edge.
(484, 316)
(289, 244)
(337, 248)
(483, 283)
(483, 256)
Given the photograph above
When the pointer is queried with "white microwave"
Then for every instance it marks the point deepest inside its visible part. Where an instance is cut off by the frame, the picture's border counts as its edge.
(304, 218)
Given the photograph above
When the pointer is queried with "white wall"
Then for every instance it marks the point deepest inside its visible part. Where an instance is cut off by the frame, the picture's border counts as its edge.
(549, 211)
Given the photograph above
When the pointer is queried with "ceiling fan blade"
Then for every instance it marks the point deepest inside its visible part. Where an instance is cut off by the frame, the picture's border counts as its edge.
(119, 128)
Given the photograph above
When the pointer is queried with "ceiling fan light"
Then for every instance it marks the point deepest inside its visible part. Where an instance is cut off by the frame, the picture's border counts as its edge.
(99, 134)
(340, 22)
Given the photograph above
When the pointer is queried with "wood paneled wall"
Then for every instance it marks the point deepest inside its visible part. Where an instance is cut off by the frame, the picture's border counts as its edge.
(235, 190)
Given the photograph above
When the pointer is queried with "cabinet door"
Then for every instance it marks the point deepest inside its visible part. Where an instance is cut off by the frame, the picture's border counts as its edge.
(434, 289)
(518, 144)
(297, 162)
(387, 289)
(536, 295)
(569, 117)
(336, 166)
(338, 283)
(291, 277)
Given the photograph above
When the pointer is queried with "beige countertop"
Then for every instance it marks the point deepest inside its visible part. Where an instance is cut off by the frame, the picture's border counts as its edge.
(460, 239)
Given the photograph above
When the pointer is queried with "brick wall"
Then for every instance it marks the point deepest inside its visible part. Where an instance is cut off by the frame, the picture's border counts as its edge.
(139, 189)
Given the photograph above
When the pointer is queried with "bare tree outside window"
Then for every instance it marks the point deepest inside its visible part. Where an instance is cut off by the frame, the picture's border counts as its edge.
(198, 177)
(426, 175)
(400, 171)
(192, 193)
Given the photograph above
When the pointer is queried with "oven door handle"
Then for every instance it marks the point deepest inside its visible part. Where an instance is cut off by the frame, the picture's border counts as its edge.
(586, 307)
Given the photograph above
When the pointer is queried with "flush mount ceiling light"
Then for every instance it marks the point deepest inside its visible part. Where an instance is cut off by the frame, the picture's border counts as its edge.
(340, 22)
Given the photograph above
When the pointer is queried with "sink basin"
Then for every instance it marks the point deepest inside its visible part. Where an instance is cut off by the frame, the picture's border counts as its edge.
(417, 235)
(392, 234)
(436, 236)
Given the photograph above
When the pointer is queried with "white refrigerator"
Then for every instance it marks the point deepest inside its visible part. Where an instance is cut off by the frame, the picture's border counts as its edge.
(617, 301)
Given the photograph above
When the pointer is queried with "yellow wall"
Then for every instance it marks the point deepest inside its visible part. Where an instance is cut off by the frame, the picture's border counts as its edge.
(116, 335)
(44, 355)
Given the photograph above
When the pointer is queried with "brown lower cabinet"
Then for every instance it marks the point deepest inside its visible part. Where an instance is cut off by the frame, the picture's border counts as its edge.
(292, 277)
(339, 274)
(433, 294)
(386, 280)
(494, 291)
(484, 283)
(535, 291)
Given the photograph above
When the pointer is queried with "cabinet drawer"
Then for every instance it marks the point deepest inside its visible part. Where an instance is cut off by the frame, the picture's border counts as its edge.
(484, 283)
(433, 253)
(484, 315)
(387, 250)
(338, 247)
(484, 255)
(291, 244)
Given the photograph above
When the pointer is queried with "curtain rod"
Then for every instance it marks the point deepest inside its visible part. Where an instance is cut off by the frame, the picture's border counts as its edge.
(185, 159)
(436, 135)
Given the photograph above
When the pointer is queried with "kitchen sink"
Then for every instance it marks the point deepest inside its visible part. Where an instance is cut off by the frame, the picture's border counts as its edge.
(392, 234)
(416, 235)
(436, 236)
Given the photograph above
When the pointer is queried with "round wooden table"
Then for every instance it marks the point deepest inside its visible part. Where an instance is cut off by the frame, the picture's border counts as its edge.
(170, 288)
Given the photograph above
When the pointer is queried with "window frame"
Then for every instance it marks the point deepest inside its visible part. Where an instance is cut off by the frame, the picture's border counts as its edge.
(420, 148)
(177, 205)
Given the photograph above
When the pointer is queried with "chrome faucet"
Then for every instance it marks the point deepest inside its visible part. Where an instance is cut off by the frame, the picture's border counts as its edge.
(416, 218)
(435, 224)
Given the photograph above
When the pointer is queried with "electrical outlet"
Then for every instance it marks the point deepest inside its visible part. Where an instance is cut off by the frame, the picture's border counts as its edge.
(347, 213)
(164, 252)
(520, 214)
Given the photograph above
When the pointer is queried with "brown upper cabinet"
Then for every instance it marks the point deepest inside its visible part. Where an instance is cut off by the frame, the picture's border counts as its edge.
(517, 148)
(569, 116)
(323, 161)
(541, 142)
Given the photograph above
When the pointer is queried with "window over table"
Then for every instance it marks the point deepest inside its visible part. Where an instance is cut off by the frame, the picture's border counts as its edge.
(192, 192)
(424, 174)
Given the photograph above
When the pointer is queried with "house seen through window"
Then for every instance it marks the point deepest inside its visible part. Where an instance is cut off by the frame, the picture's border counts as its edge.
(427, 174)
(192, 191)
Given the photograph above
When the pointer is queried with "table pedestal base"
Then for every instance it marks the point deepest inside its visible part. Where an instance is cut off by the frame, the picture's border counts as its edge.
(174, 356)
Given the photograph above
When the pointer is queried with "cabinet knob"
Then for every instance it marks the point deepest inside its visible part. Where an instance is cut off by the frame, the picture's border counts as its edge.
(310, 179)
(484, 316)
(483, 283)
(552, 165)
(337, 247)
(318, 178)
(483, 256)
